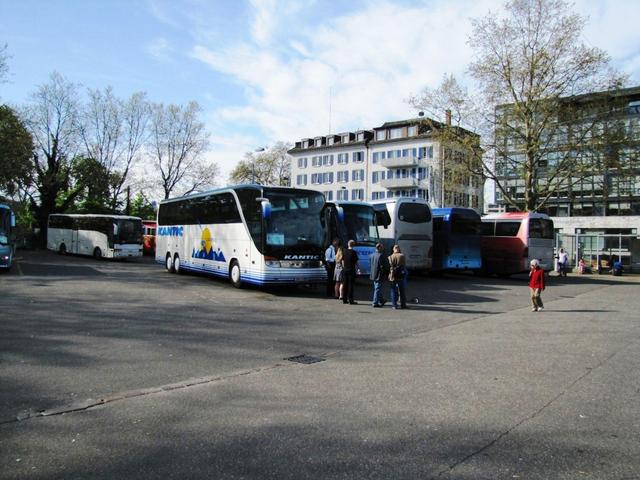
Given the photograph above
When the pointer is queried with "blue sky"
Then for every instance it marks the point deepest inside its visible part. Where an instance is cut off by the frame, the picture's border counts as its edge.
(264, 70)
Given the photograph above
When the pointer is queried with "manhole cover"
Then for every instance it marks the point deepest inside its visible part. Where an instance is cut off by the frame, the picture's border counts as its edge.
(305, 359)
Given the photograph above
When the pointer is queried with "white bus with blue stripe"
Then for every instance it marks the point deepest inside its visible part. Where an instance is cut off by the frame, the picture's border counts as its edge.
(250, 234)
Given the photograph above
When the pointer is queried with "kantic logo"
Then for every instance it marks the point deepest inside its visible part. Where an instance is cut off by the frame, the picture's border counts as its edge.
(302, 257)
(170, 231)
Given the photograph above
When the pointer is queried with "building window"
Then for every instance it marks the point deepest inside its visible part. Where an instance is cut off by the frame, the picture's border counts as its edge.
(327, 177)
(343, 176)
(377, 195)
(377, 156)
(343, 158)
(358, 156)
(395, 133)
(357, 175)
(360, 137)
(345, 138)
(305, 144)
(302, 162)
(412, 131)
(343, 194)
(301, 179)
(316, 161)
(327, 160)
(380, 134)
(357, 194)
(328, 195)
(316, 178)
(330, 140)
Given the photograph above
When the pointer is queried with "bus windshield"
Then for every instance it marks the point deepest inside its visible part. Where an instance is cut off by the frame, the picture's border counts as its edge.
(359, 225)
(465, 224)
(540, 228)
(5, 225)
(294, 223)
(128, 231)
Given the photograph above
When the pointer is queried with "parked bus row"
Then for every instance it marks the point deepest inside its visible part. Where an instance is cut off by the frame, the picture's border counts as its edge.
(277, 235)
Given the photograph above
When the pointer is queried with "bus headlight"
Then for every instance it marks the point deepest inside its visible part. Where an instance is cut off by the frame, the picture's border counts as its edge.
(272, 262)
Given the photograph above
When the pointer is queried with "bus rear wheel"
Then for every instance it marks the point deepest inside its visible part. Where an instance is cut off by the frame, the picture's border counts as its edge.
(169, 263)
(62, 249)
(234, 274)
(176, 264)
(97, 253)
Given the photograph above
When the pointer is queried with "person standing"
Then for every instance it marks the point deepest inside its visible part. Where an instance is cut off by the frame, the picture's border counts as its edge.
(349, 269)
(330, 266)
(337, 276)
(563, 262)
(397, 264)
(536, 285)
(379, 270)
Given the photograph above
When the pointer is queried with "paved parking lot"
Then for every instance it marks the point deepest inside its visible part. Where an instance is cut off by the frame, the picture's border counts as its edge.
(119, 369)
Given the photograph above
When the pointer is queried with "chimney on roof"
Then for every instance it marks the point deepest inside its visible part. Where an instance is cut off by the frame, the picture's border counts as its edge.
(447, 117)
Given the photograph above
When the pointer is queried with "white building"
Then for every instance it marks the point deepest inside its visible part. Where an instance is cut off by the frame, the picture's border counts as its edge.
(397, 159)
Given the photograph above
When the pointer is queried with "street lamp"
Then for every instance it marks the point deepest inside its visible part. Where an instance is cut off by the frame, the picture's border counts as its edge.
(253, 164)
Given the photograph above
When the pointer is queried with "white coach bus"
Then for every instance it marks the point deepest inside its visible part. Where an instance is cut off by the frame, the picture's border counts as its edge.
(250, 234)
(407, 222)
(103, 236)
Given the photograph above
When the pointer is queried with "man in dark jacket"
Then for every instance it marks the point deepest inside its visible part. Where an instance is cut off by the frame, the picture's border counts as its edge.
(379, 271)
(349, 270)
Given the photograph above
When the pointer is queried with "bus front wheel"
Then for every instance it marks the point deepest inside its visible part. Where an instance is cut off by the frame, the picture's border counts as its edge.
(234, 274)
(97, 253)
(169, 263)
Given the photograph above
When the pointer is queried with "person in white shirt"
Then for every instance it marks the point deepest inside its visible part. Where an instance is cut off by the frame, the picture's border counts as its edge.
(563, 262)
(330, 265)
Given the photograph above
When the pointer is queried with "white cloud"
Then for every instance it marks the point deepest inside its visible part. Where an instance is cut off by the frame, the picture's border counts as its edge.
(368, 62)
(160, 49)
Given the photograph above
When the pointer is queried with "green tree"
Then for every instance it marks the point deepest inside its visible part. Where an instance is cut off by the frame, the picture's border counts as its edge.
(52, 120)
(16, 152)
(527, 63)
(142, 207)
(91, 189)
(268, 167)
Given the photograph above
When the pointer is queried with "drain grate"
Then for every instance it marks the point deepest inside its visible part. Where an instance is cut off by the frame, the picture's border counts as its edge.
(305, 359)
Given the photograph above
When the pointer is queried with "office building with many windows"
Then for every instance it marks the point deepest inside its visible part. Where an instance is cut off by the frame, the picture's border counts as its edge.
(403, 158)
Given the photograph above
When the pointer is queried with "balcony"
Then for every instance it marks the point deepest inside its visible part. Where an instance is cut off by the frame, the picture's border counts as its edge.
(408, 182)
(400, 162)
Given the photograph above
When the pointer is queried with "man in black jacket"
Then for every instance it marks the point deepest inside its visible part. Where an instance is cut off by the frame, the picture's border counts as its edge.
(349, 270)
(379, 271)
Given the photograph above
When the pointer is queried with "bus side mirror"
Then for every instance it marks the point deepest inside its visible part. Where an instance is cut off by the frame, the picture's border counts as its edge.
(265, 207)
(340, 213)
(13, 220)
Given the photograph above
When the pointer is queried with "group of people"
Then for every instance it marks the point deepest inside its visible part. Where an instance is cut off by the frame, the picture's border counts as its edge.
(342, 268)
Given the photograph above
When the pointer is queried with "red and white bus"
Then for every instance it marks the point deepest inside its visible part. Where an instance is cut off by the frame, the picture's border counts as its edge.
(149, 237)
(511, 240)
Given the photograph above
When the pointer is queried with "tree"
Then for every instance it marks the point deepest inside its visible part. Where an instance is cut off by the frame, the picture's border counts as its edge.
(4, 65)
(528, 67)
(177, 143)
(16, 152)
(113, 133)
(270, 167)
(52, 119)
(142, 207)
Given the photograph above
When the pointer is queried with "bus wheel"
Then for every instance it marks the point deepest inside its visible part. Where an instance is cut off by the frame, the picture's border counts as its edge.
(97, 253)
(169, 263)
(234, 274)
(176, 264)
(62, 249)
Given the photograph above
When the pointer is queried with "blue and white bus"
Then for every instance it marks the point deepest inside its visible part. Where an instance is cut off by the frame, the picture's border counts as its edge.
(353, 221)
(456, 239)
(7, 245)
(249, 234)
(407, 222)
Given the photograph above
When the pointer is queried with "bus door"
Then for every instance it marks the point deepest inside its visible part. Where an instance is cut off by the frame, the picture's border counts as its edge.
(75, 240)
(540, 241)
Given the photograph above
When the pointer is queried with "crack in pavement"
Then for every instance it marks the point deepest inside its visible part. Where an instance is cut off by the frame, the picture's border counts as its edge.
(534, 414)
(116, 397)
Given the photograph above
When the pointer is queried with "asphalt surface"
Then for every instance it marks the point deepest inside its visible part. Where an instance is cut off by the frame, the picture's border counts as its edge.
(121, 370)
